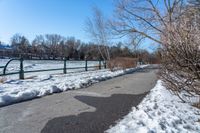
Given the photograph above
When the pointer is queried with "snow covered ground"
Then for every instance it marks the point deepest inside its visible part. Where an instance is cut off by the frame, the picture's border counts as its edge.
(30, 65)
(15, 90)
(160, 112)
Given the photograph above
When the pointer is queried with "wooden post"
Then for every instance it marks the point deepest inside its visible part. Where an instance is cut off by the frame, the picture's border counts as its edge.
(21, 72)
(99, 64)
(104, 64)
(65, 68)
(86, 65)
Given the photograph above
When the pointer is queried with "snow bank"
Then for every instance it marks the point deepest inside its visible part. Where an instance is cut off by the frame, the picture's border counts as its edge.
(13, 91)
(160, 112)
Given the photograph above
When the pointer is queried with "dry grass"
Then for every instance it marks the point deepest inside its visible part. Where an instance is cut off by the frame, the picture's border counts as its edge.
(122, 63)
(96, 67)
(31, 77)
(197, 105)
(3, 79)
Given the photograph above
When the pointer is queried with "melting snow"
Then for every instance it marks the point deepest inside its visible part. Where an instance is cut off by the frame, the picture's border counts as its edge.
(12, 91)
(160, 112)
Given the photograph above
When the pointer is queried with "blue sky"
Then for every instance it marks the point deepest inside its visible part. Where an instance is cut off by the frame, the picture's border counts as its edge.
(64, 17)
(34, 17)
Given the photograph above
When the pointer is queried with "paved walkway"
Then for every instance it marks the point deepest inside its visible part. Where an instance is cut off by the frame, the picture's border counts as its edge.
(87, 110)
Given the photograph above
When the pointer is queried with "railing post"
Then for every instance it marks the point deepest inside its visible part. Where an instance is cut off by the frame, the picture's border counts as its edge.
(104, 64)
(86, 65)
(4, 70)
(99, 64)
(65, 64)
(21, 72)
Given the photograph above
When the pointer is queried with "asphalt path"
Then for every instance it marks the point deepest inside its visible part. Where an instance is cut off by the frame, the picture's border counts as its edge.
(89, 110)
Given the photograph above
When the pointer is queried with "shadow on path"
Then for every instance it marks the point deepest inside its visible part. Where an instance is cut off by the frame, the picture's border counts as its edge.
(108, 110)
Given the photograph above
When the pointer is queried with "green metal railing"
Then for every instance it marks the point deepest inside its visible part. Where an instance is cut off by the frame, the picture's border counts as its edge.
(21, 72)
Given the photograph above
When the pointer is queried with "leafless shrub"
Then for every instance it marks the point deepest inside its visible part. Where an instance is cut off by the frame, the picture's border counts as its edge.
(96, 67)
(122, 63)
(176, 27)
(181, 55)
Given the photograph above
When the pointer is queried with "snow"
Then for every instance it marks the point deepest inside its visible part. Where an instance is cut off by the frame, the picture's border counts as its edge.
(15, 90)
(160, 112)
(30, 65)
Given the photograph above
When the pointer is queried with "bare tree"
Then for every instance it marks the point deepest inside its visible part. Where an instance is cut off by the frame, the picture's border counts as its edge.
(175, 26)
(97, 27)
(20, 44)
(53, 41)
(39, 48)
(146, 18)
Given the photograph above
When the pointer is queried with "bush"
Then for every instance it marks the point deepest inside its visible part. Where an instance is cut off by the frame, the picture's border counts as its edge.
(122, 63)
(181, 56)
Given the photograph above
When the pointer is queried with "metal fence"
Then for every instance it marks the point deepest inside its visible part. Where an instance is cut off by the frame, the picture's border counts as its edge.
(21, 71)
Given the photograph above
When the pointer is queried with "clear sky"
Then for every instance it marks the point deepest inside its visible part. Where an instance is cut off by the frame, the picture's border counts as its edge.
(35, 17)
(39, 17)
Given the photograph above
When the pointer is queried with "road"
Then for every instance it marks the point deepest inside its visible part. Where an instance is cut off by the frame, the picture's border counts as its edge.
(91, 109)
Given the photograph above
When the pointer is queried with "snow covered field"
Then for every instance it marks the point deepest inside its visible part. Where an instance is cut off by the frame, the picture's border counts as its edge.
(30, 65)
(160, 112)
(15, 90)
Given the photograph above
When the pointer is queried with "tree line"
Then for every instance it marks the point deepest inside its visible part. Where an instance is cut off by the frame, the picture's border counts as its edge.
(54, 46)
